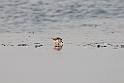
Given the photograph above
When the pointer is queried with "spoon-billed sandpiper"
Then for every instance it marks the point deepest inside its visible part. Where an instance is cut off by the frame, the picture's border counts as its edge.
(57, 40)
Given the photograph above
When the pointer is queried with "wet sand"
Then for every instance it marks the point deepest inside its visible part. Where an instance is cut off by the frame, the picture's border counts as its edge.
(72, 64)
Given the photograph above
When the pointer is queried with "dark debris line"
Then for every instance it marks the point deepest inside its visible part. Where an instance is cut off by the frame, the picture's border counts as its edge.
(103, 45)
(94, 45)
(36, 45)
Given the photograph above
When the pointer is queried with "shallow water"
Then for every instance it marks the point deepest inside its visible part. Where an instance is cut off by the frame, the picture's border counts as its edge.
(71, 64)
(92, 32)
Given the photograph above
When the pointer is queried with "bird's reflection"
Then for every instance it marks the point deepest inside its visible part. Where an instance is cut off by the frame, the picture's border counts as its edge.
(58, 47)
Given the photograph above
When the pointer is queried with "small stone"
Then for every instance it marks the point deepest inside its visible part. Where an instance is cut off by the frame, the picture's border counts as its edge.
(36, 46)
(104, 46)
(98, 46)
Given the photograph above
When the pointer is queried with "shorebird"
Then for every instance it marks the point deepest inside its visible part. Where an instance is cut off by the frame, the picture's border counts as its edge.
(57, 40)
